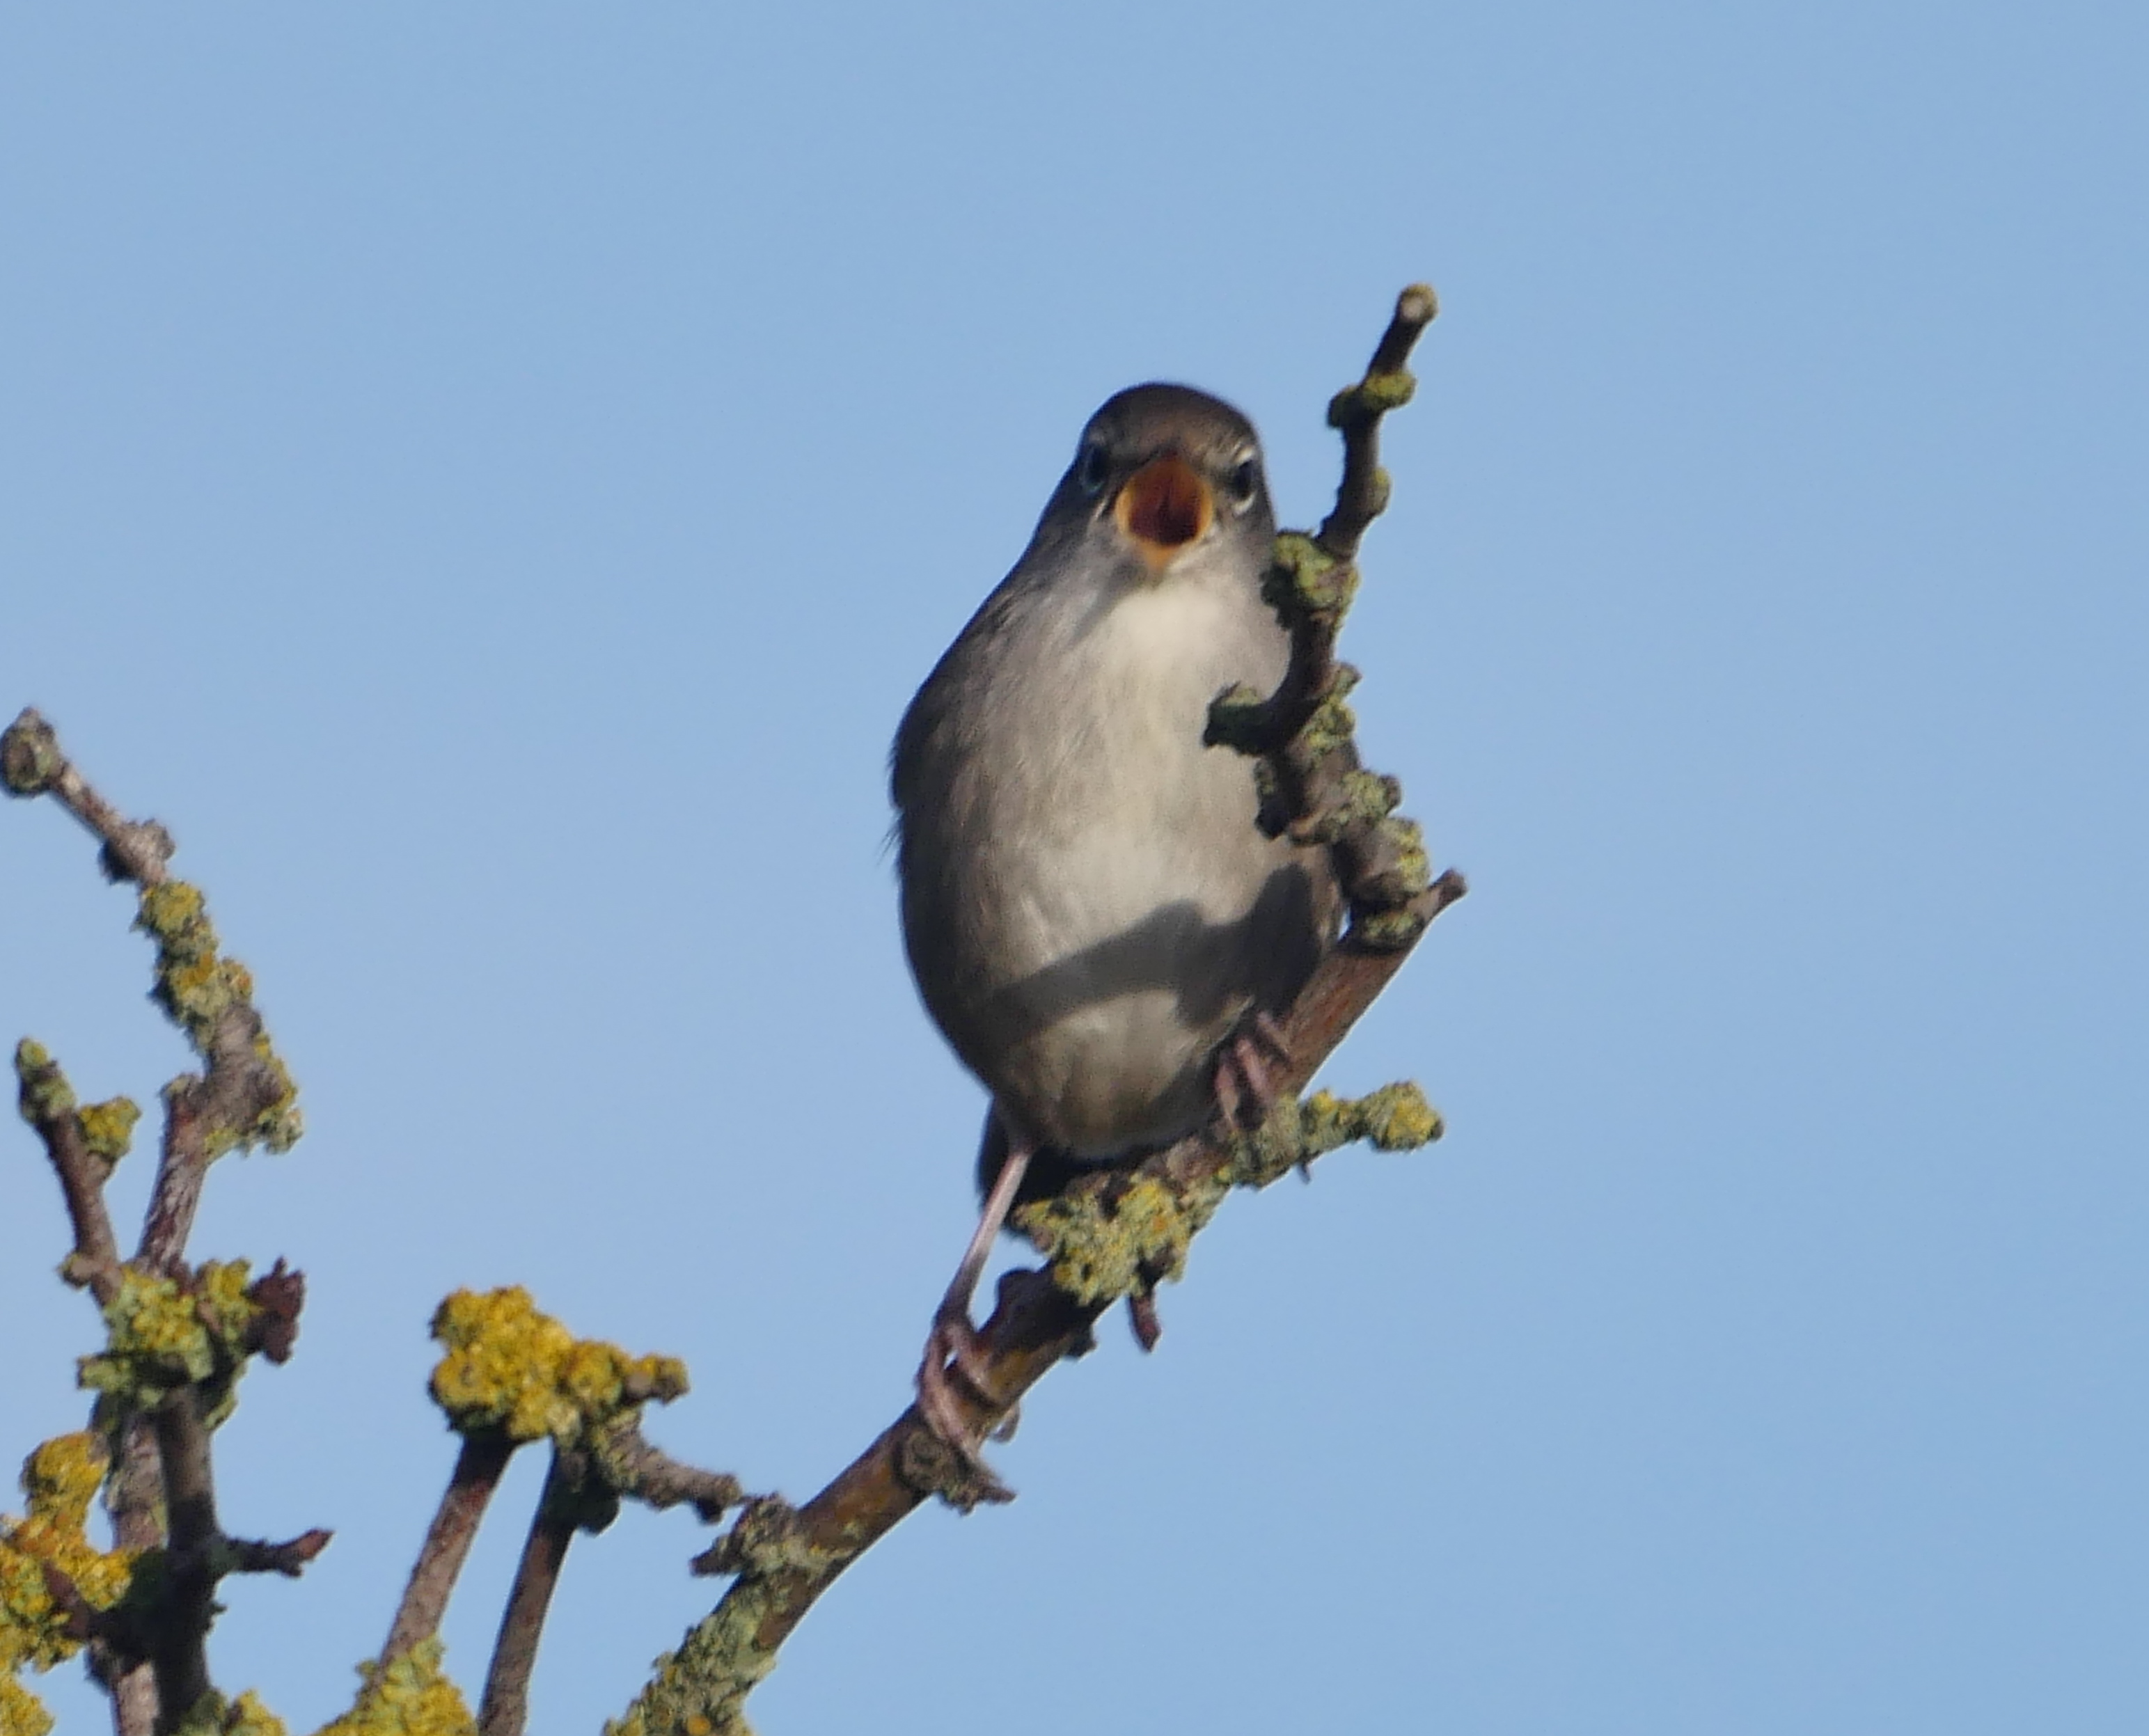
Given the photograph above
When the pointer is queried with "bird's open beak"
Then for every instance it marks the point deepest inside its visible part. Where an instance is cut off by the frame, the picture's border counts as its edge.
(1164, 507)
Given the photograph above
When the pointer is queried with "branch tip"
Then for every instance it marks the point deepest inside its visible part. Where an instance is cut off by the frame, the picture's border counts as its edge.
(30, 758)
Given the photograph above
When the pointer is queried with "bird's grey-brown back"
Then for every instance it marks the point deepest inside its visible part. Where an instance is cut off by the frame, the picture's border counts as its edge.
(1088, 903)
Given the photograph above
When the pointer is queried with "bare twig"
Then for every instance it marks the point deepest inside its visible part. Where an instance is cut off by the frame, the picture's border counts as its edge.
(205, 1114)
(506, 1708)
(649, 1475)
(243, 1555)
(478, 1468)
(1317, 787)
(1357, 411)
(48, 1106)
(31, 764)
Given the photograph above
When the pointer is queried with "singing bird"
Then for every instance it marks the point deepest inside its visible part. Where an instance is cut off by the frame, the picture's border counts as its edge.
(1094, 918)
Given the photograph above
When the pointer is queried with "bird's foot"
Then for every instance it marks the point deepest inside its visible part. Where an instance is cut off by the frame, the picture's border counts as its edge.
(952, 1388)
(1245, 1085)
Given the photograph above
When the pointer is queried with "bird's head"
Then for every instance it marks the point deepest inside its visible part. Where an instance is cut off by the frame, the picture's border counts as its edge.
(1164, 475)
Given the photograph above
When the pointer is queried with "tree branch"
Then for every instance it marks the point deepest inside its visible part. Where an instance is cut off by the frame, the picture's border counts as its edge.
(648, 1474)
(1355, 412)
(179, 1641)
(48, 1105)
(242, 1095)
(1033, 1325)
(134, 1496)
(785, 1559)
(561, 1511)
(206, 1114)
(31, 764)
(1315, 786)
(478, 1468)
(243, 1555)
(162, 1490)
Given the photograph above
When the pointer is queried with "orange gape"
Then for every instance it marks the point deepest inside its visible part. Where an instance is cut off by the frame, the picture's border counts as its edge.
(1165, 505)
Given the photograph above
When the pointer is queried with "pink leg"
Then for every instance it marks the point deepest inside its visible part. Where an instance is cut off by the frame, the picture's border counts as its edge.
(1245, 1089)
(954, 1339)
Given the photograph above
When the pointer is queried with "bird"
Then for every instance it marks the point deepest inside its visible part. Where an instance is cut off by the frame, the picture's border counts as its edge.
(1094, 918)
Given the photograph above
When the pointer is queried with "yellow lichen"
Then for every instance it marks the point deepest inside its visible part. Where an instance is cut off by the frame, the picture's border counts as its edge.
(164, 1336)
(61, 1480)
(411, 1696)
(1395, 1118)
(511, 1368)
(1105, 1243)
(197, 986)
(248, 1717)
(701, 1688)
(109, 1127)
(44, 1095)
(22, 1713)
(1373, 397)
(214, 1715)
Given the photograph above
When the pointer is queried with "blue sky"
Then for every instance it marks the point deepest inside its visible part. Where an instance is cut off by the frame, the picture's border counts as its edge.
(490, 479)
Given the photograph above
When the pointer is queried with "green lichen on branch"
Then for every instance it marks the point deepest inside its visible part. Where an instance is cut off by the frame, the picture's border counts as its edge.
(199, 989)
(1362, 800)
(42, 1093)
(412, 1696)
(1395, 1118)
(1303, 578)
(509, 1368)
(1110, 1240)
(166, 1333)
(1115, 1235)
(46, 1098)
(107, 1128)
(1395, 868)
(60, 1480)
(1371, 398)
(701, 1688)
(1333, 727)
(765, 1539)
(30, 757)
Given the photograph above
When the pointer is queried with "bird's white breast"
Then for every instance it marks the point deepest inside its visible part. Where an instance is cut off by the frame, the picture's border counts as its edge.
(1098, 856)
(1129, 812)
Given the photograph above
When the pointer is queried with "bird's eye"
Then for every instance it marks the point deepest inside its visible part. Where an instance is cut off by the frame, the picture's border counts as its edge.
(1091, 467)
(1246, 483)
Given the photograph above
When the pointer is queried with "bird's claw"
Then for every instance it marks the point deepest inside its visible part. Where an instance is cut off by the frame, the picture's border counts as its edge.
(952, 1384)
